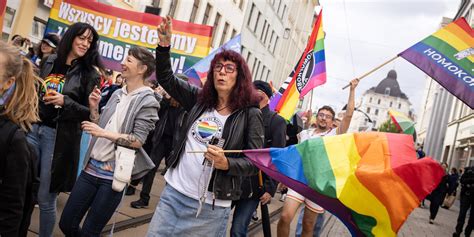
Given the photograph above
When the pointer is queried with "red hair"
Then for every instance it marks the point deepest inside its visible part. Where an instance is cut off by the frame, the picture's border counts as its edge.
(243, 94)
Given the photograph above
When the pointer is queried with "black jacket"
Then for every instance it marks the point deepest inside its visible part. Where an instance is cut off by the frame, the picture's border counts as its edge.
(243, 129)
(16, 179)
(78, 85)
(275, 136)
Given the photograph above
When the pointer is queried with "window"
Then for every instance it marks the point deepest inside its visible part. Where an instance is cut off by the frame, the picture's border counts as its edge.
(378, 102)
(194, 11)
(266, 34)
(256, 22)
(234, 32)
(207, 12)
(399, 105)
(391, 103)
(268, 74)
(376, 111)
(278, 8)
(370, 100)
(241, 5)
(368, 110)
(387, 91)
(215, 27)
(284, 12)
(275, 44)
(9, 16)
(251, 14)
(257, 70)
(173, 6)
(254, 63)
(224, 34)
(265, 25)
(271, 37)
(249, 56)
(263, 71)
(38, 28)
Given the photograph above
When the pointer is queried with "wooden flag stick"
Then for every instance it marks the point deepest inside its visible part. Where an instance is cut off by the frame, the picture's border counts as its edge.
(373, 70)
(223, 151)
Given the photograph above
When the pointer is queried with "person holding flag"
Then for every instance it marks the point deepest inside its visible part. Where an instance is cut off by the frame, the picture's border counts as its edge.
(324, 122)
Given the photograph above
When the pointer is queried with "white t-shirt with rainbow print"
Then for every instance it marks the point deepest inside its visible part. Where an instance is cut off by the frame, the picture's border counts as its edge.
(188, 177)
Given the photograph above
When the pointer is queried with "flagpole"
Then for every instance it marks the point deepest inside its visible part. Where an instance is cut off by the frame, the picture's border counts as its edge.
(373, 70)
(223, 151)
(311, 101)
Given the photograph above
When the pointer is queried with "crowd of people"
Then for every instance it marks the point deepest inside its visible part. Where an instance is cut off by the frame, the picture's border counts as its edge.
(55, 93)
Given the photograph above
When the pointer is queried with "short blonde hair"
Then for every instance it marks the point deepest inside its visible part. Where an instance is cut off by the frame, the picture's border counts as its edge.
(22, 108)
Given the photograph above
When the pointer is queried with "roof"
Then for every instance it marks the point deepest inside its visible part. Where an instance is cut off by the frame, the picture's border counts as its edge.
(390, 82)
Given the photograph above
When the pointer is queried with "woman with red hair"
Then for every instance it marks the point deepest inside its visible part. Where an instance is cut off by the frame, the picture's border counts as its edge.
(223, 115)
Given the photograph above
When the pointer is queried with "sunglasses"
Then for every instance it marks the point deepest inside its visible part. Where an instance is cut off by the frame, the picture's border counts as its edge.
(229, 68)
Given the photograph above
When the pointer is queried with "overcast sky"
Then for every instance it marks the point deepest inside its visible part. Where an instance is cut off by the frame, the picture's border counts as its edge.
(374, 31)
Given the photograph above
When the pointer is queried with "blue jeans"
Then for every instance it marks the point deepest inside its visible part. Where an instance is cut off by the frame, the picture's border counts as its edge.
(93, 194)
(85, 139)
(175, 215)
(242, 214)
(42, 138)
(318, 226)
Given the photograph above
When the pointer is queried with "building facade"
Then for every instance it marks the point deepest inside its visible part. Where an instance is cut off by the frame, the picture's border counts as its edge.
(430, 93)
(372, 109)
(449, 135)
(459, 140)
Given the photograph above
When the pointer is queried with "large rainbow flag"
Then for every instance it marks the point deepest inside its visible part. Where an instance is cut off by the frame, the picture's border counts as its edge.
(308, 73)
(447, 56)
(370, 181)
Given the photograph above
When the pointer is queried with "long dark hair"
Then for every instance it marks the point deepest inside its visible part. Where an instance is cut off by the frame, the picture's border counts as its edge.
(91, 58)
(243, 94)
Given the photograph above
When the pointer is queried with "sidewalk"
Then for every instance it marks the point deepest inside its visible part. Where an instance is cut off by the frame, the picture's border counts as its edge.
(416, 225)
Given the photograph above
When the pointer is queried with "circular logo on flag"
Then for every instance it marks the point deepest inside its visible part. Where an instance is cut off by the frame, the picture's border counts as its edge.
(305, 72)
(204, 129)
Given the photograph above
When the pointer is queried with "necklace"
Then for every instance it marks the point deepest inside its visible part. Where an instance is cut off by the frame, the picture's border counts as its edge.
(218, 110)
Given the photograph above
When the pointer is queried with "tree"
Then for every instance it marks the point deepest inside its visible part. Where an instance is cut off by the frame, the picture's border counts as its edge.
(388, 126)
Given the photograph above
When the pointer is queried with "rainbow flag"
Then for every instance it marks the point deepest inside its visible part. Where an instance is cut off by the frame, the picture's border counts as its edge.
(447, 56)
(198, 72)
(370, 181)
(3, 6)
(308, 73)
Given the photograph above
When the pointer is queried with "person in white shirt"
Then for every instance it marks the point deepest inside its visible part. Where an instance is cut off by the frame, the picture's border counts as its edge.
(324, 127)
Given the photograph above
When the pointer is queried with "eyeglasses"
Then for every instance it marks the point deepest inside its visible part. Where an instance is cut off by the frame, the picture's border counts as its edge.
(229, 68)
(325, 116)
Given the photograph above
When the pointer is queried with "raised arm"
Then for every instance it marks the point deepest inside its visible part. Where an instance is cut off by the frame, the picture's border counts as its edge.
(346, 121)
(181, 91)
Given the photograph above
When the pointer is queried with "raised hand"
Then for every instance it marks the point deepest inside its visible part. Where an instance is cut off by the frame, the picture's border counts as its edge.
(94, 98)
(354, 83)
(164, 32)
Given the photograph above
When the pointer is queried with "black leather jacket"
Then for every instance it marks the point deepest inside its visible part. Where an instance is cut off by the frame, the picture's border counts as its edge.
(243, 129)
(78, 85)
